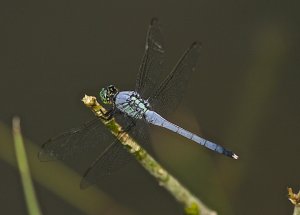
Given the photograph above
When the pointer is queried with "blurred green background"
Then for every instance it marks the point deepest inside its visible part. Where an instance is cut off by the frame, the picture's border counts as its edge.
(243, 95)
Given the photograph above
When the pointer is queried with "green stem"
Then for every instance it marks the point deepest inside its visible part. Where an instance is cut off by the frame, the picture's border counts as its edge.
(30, 197)
(192, 205)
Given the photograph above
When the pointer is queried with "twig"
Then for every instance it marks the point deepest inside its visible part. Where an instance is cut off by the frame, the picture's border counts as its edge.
(192, 205)
(30, 197)
(295, 199)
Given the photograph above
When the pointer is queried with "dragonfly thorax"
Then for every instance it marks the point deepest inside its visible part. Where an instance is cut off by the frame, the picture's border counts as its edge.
(131, 104)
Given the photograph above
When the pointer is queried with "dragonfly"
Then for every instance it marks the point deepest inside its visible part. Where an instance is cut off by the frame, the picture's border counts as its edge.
(135, 110)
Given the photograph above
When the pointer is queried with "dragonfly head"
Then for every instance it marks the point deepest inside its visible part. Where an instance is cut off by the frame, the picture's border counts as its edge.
(108, 94)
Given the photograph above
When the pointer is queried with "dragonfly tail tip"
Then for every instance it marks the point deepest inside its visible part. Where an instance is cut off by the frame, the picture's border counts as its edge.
(234, 156)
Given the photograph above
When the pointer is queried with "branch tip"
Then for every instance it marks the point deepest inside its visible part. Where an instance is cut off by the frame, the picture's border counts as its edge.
(293, 197)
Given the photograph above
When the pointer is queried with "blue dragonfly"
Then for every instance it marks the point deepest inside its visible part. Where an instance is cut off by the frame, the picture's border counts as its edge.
(134, 110)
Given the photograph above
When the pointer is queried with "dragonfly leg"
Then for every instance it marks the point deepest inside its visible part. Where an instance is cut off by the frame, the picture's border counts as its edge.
(108, 115)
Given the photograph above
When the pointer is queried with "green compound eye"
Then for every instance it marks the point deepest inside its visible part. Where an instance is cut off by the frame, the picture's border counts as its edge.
(104, 97)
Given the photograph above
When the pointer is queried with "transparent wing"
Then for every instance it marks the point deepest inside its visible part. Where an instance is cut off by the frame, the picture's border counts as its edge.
(168, 95)
(75, 141)
(151, 65)
(110, 160)
(115, 156)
